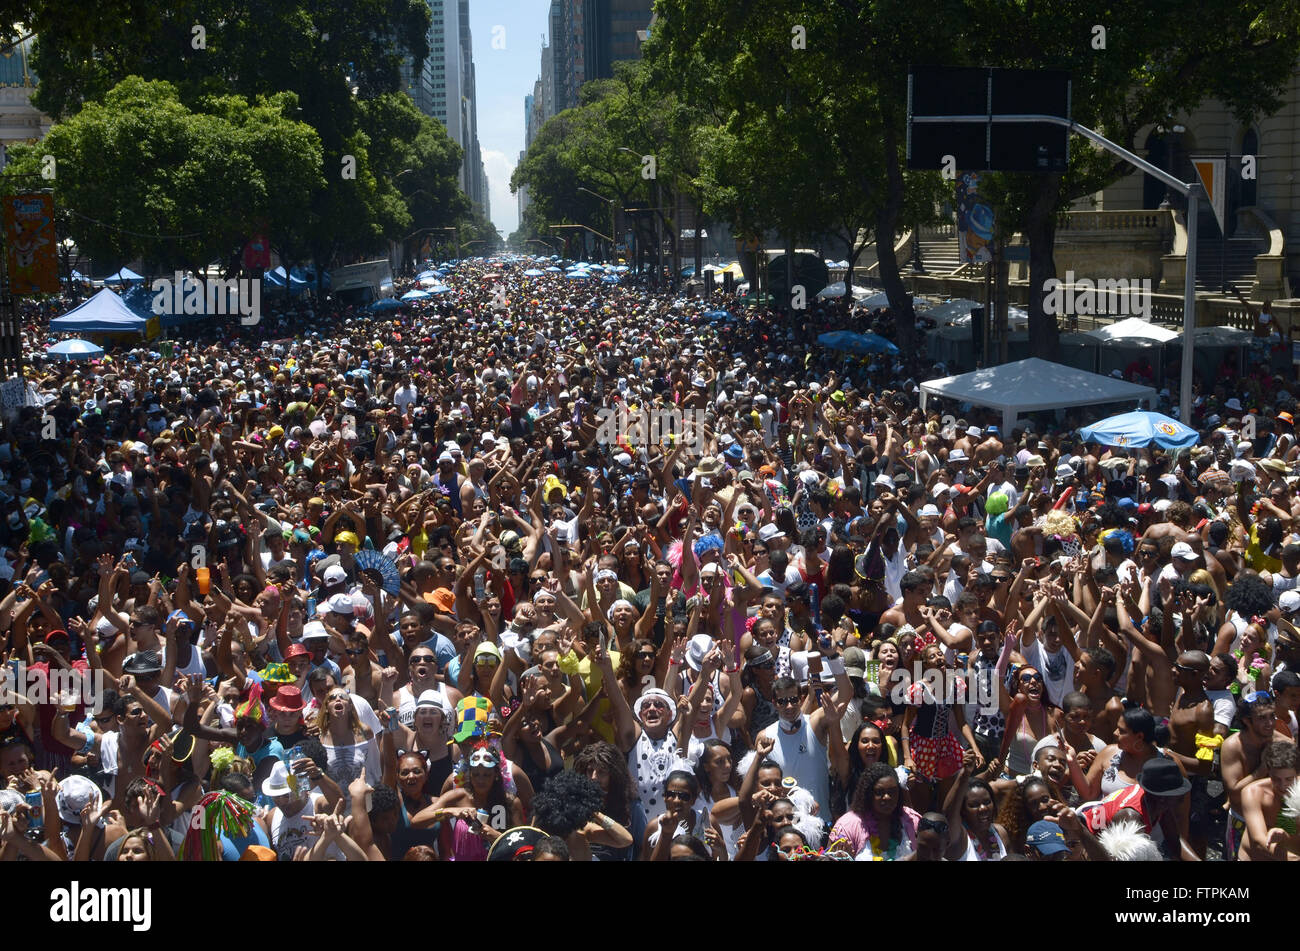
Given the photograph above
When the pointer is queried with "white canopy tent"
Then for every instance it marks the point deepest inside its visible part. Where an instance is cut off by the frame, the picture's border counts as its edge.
(945, 312)
(1134, 327)
(837, 290)
(1029, 385)
(1017, 319)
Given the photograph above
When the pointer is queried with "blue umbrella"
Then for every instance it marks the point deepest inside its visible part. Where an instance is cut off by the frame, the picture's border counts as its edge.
(423, 274)
(76, 349)
(440, 289)
(851, 342)
(386, 304)
(578, 275)
(416, 295)
(1140, 428)
(610, 279)
(716, 315)
(533, 272)
(552, 270)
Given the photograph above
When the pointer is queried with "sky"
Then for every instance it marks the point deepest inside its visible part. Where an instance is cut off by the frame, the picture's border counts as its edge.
(504, 77)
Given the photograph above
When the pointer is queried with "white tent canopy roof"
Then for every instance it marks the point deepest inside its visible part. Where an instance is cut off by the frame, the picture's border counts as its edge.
(1033, 384)
(837, 290)
(1134, 327)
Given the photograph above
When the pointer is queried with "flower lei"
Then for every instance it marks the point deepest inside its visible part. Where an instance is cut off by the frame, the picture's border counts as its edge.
(834, 852)
(1256, 666)
(882, 852)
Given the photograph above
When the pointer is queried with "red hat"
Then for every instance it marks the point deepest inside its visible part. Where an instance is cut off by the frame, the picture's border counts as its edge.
(288, 699)
(296, 650)
(57, 633)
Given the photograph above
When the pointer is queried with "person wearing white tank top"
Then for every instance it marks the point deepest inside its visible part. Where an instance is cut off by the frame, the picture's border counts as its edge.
(971, 807)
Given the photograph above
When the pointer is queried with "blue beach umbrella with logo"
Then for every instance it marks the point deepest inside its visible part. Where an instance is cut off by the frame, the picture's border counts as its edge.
(1140, 428)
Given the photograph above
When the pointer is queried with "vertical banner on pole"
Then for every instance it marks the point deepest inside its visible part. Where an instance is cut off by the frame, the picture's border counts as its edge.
(32, 246)
(1212, 172)
(974, 221)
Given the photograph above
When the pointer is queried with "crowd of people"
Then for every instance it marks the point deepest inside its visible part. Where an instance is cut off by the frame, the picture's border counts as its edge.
(360, 587)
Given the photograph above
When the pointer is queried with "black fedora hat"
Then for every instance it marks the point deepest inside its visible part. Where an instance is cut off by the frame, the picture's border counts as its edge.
(1162, 777)
(142, 662)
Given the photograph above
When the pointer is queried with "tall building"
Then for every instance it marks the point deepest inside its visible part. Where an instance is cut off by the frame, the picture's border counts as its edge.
(20, 121)
(444, 88)
(609, 34)
(587, 37)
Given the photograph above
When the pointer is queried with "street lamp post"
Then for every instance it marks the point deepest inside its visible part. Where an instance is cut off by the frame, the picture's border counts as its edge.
(613, 225)
(659, 243)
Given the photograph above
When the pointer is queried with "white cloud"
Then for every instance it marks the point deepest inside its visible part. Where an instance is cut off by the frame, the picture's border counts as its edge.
(505, 206)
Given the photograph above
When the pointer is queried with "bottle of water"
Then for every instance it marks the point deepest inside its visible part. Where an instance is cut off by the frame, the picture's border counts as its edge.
(295, 781)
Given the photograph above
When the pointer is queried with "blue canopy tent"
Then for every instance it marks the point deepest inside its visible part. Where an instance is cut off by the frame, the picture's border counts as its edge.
(851, 342)
(1140, 428)
(103, 313)
(124, 276)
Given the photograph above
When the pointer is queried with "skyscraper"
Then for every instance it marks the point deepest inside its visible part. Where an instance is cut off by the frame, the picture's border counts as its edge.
(610, 34)
(444, 88)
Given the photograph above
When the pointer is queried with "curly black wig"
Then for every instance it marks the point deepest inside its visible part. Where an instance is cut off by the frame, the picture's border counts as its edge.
(567, 803)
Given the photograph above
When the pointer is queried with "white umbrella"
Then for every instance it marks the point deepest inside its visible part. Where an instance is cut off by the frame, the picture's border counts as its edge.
(76, 349)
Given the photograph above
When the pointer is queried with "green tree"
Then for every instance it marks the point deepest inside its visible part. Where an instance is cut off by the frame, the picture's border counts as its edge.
(810, 98)
(139, 174)
(1160, 59)
(334, 57)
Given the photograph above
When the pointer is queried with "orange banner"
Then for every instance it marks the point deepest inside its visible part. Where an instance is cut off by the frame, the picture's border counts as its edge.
(30, 244)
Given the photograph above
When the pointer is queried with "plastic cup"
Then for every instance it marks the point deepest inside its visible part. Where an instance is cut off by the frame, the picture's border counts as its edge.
(204, 578)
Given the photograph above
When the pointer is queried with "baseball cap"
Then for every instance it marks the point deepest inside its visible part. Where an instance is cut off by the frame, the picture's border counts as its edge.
(1183, 550)
(930, 510)
(769, 532)
(855, 662)
(335, 574)
(1046, 837)
(1289, 601)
